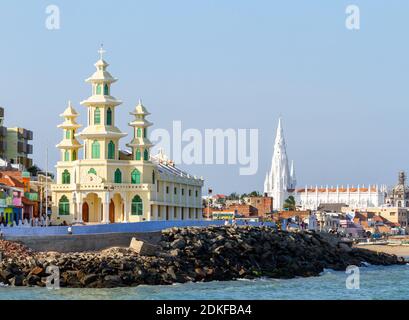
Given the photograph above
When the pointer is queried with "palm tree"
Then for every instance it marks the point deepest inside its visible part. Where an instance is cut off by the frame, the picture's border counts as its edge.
(289, 203)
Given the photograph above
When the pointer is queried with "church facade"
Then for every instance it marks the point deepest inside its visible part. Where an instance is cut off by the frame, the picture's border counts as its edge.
(280, 182)
(111, 185)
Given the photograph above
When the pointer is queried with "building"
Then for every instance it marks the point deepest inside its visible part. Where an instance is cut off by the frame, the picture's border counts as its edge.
(279, 180)
(397, 215)
(264, 205)
(15, 144)
(110, 185)
(280, 183)
(399, 195)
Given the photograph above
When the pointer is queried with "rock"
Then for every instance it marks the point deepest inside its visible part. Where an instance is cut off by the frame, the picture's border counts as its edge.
(143, 248)
(344, 247)
(16, 281)
(171, 271)
(112, 281)
(86, 280)
(37, 271)
(178, 244)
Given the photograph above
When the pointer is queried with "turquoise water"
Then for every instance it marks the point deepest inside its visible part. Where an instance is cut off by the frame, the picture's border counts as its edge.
(375, 283)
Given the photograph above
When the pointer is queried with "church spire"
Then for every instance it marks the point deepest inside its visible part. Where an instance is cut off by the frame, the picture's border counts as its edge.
(69, 146)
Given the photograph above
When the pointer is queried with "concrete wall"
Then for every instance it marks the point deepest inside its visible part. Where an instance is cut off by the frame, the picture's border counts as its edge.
(84, 242)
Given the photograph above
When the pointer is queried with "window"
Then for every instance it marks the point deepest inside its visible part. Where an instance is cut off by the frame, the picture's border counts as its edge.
(95, 150)
(136, 177)
(118, 176)
(109, 117)
(74, 155)
(64, 206)
(183, 191)
(97, 116)
(68, 134)
(167, 189)
(111, 150)
(144, 132)
(66, 155)
(98, 89)
(146, 155)
(139, 132)
(196, 193)
(106, 90)
(157, 187)
(190, 193)
(175, 190)
(92, 171)
(66, 177)
(138, 154)
(153, 177)
(137, 206)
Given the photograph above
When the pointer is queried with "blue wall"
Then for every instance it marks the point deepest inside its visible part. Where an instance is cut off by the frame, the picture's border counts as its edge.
(147, 226)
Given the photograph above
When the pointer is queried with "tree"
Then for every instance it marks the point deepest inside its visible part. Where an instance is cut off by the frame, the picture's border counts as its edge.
(36, 170)
(289, 203)
(254, 194)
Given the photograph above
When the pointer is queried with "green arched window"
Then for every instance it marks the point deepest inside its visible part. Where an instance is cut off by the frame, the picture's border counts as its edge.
(145, 132)
(66, 177)
(109, 117)
(92, 171)
(97, 116)
(137, 206)
(95, 150)
(74, 155)
(146, 155)
(136, 177)
(138, 154)
(139, 132)
(111, 150)
(106, 90)
(68, 134)
(118, 176)
(63, 206)
(98, 91)
(66, 155)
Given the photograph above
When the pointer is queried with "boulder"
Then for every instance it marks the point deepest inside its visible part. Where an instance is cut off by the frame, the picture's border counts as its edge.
(143, 248)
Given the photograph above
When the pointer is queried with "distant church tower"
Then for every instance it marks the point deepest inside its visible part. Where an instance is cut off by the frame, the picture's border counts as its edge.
(279, 180)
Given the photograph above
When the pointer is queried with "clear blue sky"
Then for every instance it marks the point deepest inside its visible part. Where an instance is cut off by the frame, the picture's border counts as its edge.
(343, 95)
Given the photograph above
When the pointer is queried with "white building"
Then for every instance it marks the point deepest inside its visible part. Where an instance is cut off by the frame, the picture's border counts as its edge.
(280, 183)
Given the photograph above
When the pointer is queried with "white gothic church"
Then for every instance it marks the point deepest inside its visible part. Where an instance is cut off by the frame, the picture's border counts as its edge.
(281, 182)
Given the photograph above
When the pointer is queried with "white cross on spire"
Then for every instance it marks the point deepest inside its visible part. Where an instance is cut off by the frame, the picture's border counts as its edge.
(101, 51)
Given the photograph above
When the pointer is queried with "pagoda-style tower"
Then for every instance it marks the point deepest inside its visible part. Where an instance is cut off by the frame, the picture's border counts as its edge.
(69, 146)
(101, 136)
(140, 143)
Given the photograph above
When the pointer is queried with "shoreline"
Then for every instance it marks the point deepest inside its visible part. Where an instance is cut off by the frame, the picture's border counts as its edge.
(190, 254)
(398, 250)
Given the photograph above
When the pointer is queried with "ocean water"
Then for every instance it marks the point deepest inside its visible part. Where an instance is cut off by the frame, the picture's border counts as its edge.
(375, 282)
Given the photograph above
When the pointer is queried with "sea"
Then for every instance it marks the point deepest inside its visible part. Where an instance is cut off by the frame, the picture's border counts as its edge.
(375, 282)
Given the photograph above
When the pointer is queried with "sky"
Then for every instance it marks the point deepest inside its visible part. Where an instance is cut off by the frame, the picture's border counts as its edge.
(342, 94)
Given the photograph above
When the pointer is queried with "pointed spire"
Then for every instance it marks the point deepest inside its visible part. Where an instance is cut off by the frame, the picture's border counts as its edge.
(101, 51)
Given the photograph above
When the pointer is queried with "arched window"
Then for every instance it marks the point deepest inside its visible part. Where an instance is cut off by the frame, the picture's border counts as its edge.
(106, 90)
(97, 116)
(136, 177)
(146, 155)
(137, 206)
(98, 91)
(118, 176)
(111, 150)
(92, 171)
(145, 132)
(95, 150)
(66, 155)
(74, 155)
(399, 204)
(66, 177)
(153, 177)
(68, 134)
(138, 154)
(63, 206)
(109, 117)
(139, 132)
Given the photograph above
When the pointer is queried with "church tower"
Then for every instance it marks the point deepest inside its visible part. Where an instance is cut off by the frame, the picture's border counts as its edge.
(279, 180)
(140, 143)
(69, 146)
(101, 136)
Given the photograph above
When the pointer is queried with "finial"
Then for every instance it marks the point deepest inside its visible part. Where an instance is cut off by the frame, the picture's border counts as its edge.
(69, 104)
(140, 101)
(101, 51)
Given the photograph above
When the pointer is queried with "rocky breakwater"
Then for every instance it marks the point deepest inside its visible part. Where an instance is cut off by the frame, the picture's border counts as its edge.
(190, 254)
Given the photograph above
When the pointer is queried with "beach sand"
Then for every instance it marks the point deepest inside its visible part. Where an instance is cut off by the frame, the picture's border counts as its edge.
(400, 251)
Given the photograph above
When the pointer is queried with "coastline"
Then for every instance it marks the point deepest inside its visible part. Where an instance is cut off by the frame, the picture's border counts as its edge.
(398, 250)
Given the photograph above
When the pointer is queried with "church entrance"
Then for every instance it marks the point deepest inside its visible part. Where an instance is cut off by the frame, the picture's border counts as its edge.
(111, 212)
(85, 212)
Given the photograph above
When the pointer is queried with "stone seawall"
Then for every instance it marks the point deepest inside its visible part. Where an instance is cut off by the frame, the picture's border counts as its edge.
(191, 254)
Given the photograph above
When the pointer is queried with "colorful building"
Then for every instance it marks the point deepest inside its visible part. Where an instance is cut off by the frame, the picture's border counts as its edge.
(111, 185)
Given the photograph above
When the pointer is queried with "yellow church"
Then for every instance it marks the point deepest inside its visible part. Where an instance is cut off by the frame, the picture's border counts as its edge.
(109, 185)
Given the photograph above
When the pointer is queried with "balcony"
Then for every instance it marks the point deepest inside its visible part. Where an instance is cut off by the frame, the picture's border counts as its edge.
(32, 196)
